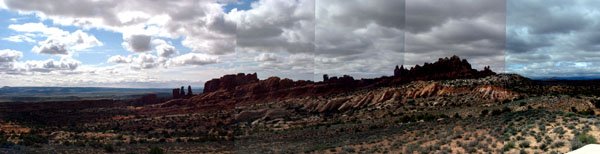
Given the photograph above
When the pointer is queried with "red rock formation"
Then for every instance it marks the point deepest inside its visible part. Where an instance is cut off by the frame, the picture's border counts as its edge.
(229, 82)
(443, 69)
(236, 89)
(248, 87)
(147, 99)
(176, 93)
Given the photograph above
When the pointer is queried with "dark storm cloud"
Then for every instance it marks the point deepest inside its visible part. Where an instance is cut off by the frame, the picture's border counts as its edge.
(423, 15)
(474, 30)
(546, 17)
(353, 27)
(565, 31)
(359, 38)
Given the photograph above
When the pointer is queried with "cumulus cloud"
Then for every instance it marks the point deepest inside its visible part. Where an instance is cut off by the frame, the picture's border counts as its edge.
(8, 55)
(118, 59)
(8, 59)
(193, 59)
(264, 57)
(138, 43)
(273, 26)
(80, 40)
(202, 24)
(164, 49)
(2, 5)
(19, 38)
(139, 61)
(10, 63)
(49, 65)
(474, 30)
(57, 40)
(37, 28)
(146, 61)
(51, 46)
(560, 40)
(360, 38)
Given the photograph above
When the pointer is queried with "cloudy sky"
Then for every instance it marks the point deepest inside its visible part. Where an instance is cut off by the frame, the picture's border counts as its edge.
(155, 43)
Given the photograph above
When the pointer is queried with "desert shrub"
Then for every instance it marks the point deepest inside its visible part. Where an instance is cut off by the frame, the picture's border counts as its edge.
(456, 115)
(573, 109)
(587, 112)
(559, 130)
(425, 150)
(348, 149)
(522, 151)
(435, 146)
(538, 138)
(412, 147)
(571, 126)
(156, 150)
(31, 139)
(520, 138)
(524, 144)
(484, 112)
(582, 140)
(108, 148)
(508, 146)
(4, 141)
(558, 144)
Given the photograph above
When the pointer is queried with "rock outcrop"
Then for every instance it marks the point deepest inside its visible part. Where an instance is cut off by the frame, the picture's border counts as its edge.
(233, 90)
(229, 82)
(443, 69)
(176, 93)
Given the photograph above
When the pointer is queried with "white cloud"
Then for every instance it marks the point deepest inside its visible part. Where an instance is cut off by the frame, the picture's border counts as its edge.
(10, 64)
(473, 30)
(20, 38)
(264, 57)
(164, 49)
(138, 61)
(2, 5)
(57, 40)
(51, 46)
(118, 59)
(145, 61)
(80, 40)
(49, 65)
(202, 24)
(193, 59)
(137, 43)
(274, 25)
(38, 28)
(8, 55)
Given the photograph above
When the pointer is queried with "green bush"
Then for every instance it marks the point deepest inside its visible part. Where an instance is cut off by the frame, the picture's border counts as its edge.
(508, 146)
(108, 148)
(156, 150)
(582, 140)
(558, 144)
(525, 144)
(31, 139)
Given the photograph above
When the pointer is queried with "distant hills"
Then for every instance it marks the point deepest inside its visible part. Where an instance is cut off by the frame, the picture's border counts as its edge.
(37, 94)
